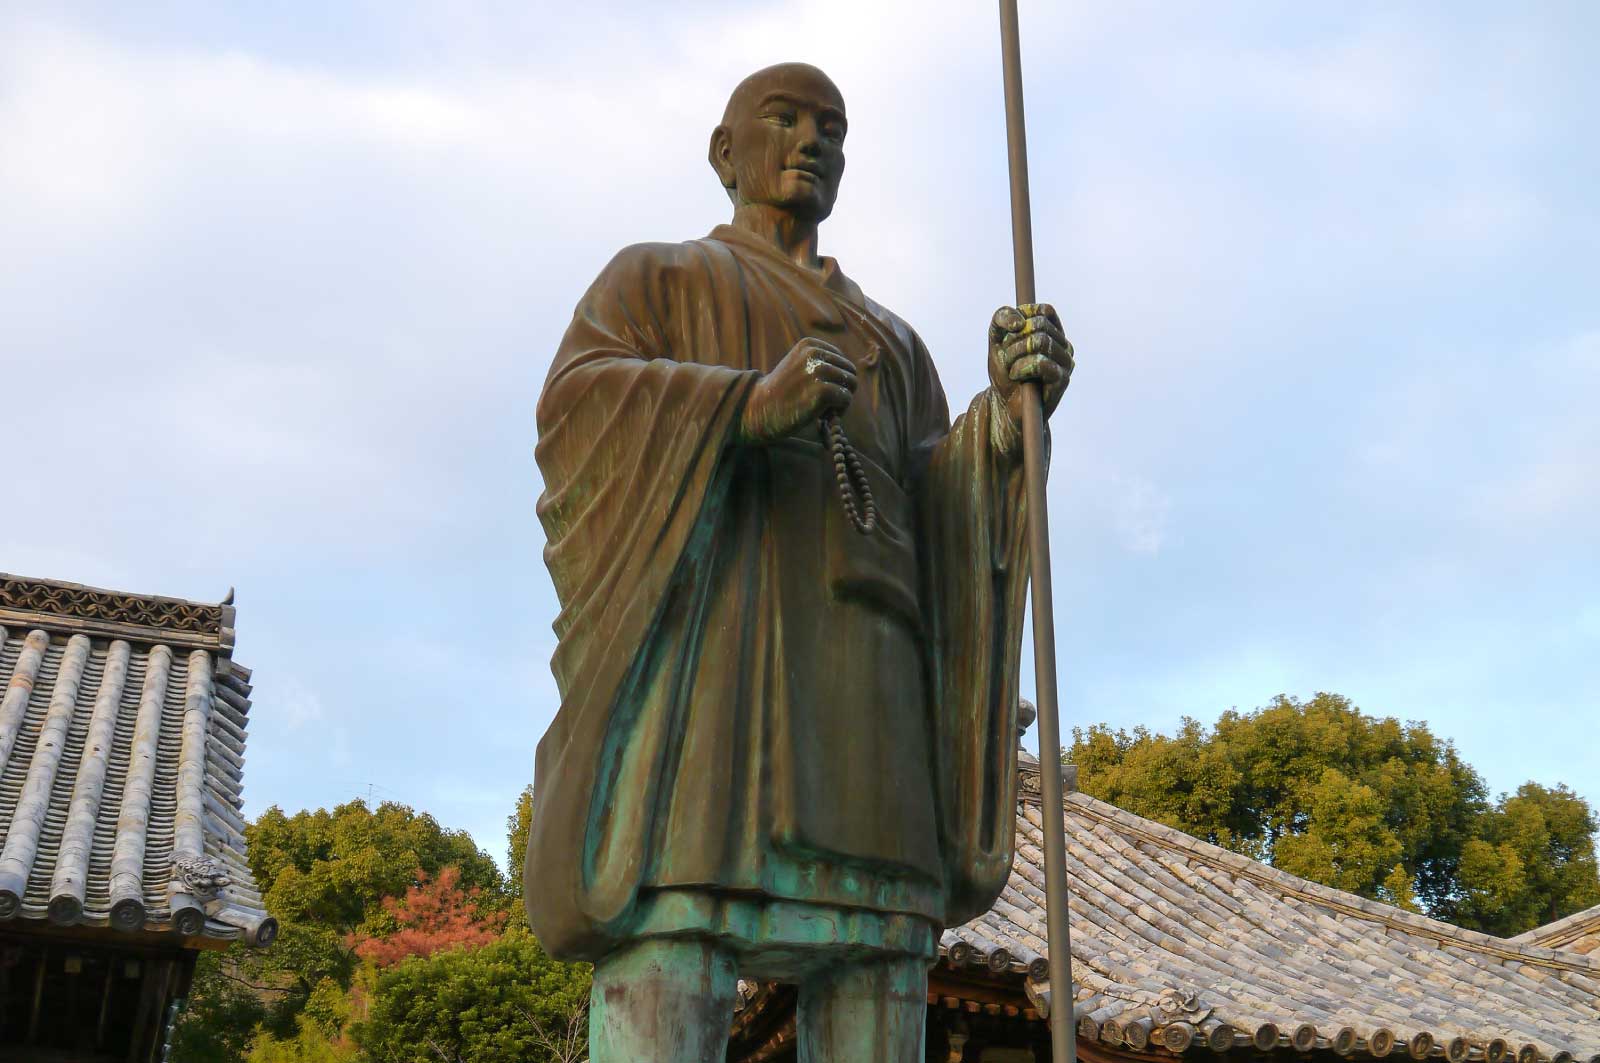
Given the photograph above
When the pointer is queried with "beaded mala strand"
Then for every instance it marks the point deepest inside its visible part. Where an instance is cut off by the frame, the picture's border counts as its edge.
(847, 468)
(854, 490)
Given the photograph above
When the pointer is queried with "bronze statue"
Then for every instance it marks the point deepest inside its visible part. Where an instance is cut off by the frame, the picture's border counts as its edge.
(791, 607)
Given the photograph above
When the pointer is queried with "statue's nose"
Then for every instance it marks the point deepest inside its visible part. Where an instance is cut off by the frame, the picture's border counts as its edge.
(810, 137)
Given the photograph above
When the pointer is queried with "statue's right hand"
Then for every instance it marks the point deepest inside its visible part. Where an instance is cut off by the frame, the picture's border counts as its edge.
(814, 378)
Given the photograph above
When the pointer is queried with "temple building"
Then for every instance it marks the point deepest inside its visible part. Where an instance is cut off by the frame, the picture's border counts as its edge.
(122, 852)
(1181, 948)
(1579, 932)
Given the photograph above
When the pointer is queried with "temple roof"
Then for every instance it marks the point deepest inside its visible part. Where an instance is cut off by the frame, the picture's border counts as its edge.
(122, 733)
(1178, 942)
(1578, 932)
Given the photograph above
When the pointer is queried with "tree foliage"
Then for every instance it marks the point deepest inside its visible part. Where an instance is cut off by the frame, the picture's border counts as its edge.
(518, 824)
(495, 1004)
(401, 941)
(222, 1015)
(1532, 862)
(310, 1044)
(325, 875)
(434, 915)
(1364, 804)
(335, 868)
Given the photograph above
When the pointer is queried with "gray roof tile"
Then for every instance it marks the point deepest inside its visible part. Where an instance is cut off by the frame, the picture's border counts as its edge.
(121, 754)
(1578, 932)
(1187, 935)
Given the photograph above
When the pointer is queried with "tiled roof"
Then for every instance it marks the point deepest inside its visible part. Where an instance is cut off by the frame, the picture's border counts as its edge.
(1177, 942)
(1579, 932)
(122, 731)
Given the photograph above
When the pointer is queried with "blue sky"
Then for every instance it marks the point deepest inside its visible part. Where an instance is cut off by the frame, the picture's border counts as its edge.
(282, 283)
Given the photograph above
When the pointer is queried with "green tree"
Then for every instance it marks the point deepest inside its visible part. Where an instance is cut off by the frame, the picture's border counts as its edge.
(335, 868)
(1346, 843)
(1185, 781)
(310, 1045)
(1366, 804)
(518, 824)
(223, 1011)
(1532, 862)
(325, 875)
(507, 1002)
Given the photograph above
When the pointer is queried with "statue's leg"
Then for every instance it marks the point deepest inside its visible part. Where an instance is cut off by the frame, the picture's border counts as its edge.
(662, 1000)
(869, 1012)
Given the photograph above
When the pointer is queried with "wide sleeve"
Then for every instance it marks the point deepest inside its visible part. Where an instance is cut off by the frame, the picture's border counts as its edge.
(972, 529)
(635, 419)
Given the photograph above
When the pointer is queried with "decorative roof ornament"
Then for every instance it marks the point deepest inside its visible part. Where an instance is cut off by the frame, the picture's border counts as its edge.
(1176, 1004)
(1030, 789)
(122, 735)
(202, 878)
(72, 607)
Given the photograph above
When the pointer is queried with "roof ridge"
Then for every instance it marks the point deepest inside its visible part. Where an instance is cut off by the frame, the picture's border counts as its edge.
(74, 608)
(122, 770)
(1284, 882)
(1562, 931)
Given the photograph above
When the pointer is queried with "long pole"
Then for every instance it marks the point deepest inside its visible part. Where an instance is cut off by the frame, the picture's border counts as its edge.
(1063, 1047)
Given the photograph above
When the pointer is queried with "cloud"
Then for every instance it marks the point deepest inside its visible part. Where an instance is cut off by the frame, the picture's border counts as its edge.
(287, 297)
(1135, 510)
(1547, 479)
(297, 706)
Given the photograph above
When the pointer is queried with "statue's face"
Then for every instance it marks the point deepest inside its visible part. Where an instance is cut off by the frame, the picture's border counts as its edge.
(782, 141)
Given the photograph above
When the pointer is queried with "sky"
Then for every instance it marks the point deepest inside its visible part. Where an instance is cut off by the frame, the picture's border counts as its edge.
(279, 285)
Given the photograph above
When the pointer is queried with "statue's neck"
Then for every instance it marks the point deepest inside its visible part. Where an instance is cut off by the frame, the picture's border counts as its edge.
(794, 238)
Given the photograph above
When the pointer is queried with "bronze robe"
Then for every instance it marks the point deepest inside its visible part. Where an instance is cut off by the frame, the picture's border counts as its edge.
(759, 702)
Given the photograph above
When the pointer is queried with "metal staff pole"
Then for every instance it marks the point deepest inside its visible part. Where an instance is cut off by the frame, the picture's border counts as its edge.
(1063, 1048)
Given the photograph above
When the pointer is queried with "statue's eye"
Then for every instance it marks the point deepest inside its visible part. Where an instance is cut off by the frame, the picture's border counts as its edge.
(783, 118)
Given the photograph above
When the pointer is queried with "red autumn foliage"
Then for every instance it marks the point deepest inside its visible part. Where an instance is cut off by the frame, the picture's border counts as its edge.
(435, 915)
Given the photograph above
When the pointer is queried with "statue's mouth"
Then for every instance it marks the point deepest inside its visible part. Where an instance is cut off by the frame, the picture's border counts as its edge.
(810, 170)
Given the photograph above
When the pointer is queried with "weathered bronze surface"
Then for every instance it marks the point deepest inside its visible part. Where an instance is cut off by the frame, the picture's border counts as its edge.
(1062, 1034)
(786, 748)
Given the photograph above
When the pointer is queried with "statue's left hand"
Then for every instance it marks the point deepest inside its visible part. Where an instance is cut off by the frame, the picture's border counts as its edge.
(1026, 344)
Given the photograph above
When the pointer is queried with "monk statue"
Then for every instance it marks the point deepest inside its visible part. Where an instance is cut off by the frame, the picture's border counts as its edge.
(791, 600)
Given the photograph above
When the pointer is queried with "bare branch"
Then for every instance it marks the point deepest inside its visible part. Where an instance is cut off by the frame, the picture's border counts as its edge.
(568, 1046)
(441, 1052)
(251, 985)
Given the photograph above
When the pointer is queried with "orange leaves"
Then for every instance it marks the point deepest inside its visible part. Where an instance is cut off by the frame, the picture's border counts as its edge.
(434, 915)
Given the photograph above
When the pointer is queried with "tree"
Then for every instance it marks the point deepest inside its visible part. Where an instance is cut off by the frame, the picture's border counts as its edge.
(1532, 862)
(518, 824)
(507, 1002)
(434, 915)
(1345, 843)
(310, 1045)
(325, 876)
(335, 868)
(222, 1015)
(1361, 803)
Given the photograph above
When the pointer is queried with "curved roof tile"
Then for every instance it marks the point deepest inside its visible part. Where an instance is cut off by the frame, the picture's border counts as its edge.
(1578, 932)
(1178, 942)
(122, 729)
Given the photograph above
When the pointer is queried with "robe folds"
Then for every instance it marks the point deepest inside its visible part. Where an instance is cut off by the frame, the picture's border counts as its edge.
(764, 713)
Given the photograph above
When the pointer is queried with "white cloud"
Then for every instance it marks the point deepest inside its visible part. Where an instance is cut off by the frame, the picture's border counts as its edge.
(1547, 476)
(296, 706)
(284, 312)
(1138, 512)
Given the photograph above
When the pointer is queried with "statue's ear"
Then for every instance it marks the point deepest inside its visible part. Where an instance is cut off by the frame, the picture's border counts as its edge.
(721, 156)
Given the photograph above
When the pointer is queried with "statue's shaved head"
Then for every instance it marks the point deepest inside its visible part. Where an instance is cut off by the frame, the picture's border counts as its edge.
(755, 88)
(781, 141)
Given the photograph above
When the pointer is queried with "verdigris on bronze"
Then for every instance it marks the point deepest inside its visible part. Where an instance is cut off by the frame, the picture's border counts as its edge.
(786, 743)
